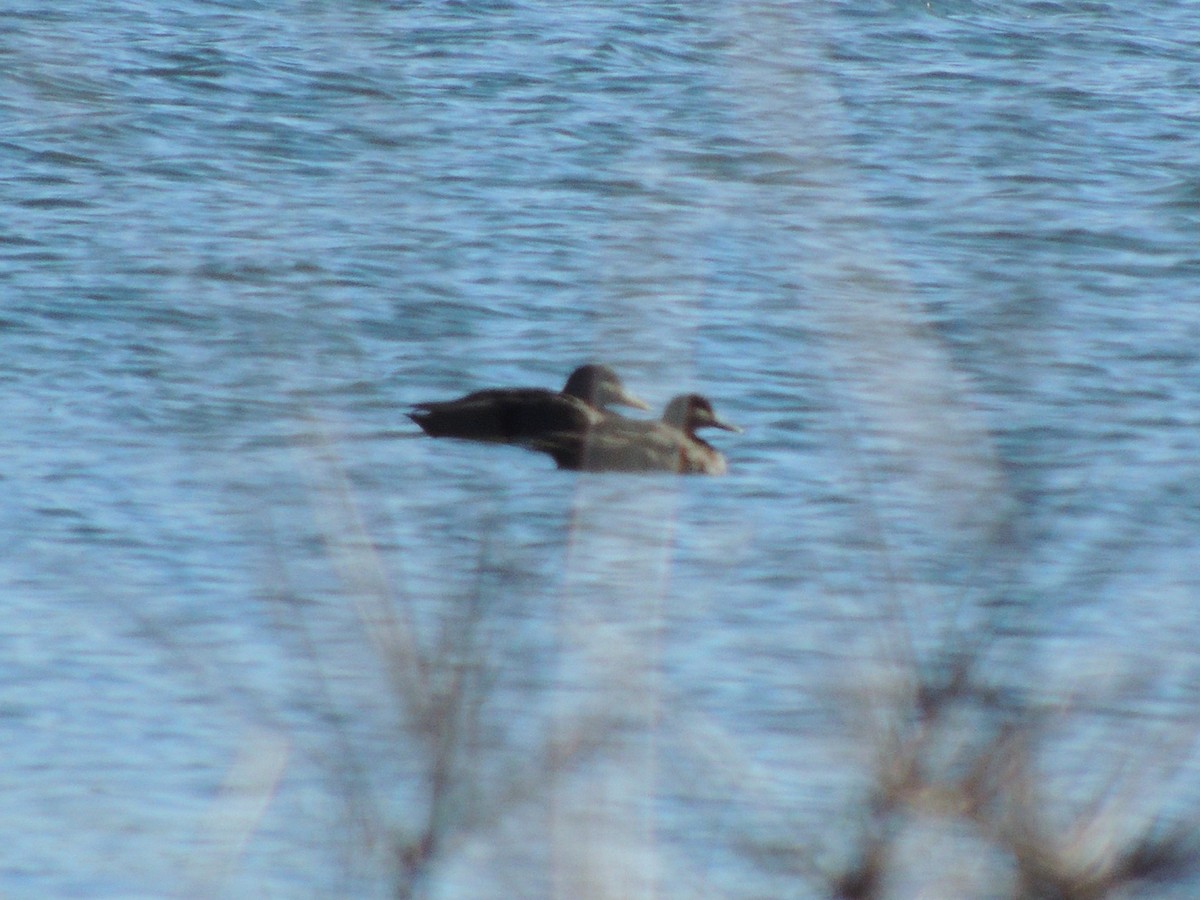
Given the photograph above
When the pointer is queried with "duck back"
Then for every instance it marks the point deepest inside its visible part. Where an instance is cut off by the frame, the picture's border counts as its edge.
(504, 415)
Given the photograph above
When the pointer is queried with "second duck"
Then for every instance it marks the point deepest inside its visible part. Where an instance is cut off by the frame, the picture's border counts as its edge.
(628, 445)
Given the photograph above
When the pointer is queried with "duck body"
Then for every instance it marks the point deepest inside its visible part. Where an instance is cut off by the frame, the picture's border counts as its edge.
(505, 415)
(625, 445)
(519, 415)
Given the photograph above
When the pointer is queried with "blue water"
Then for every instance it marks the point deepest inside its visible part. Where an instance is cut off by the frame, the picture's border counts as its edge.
(938, 259)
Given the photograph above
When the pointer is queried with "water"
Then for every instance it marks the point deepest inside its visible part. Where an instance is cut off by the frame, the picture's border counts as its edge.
(938, 260)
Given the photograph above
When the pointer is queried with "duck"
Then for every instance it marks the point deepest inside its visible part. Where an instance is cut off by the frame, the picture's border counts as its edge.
(519, 415)
(629, 445)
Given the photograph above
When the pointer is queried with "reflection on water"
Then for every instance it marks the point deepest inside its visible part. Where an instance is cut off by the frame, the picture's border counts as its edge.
(932, 634)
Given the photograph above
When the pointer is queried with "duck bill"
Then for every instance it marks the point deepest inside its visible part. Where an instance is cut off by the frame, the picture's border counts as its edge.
(625, 398)
(723, 425)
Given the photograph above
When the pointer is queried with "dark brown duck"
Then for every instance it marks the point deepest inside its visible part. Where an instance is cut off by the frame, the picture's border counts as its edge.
(518, 415)
(627, 445)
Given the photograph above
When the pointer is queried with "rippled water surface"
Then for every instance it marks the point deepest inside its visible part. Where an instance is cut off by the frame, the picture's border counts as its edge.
(938, 260)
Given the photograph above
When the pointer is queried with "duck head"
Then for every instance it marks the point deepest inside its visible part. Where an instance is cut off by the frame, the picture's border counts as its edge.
(688, 412)
(600, 386)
